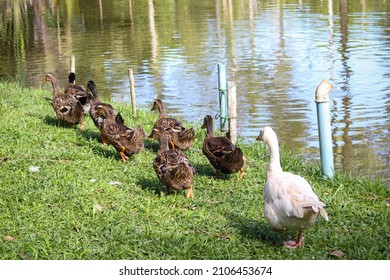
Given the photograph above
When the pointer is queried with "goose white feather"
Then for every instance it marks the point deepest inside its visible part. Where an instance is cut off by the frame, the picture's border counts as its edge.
(289, 200)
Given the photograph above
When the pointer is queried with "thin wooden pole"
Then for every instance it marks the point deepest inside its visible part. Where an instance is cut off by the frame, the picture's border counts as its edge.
(232, 111)
(72, 65)
(132, 93)
(131, 11)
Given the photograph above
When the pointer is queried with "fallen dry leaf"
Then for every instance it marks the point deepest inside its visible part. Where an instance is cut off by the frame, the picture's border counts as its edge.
(23, 256)
(222, 235)
(4, 159)
(214, 202)
(98, 207)
(337, 253)
(9, 238)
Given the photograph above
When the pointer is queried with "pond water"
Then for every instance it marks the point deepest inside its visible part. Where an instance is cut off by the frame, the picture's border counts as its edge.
(277, 52)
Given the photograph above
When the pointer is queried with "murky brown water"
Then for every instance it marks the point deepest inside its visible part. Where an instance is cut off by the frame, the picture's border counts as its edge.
(276, 51)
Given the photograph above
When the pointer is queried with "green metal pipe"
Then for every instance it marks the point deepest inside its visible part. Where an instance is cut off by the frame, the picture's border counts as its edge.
(223, 98)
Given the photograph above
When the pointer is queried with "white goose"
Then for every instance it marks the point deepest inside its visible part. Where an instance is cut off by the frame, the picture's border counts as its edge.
(289, 201)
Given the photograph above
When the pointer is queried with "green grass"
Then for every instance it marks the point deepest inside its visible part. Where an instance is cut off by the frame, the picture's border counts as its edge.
(71, 210)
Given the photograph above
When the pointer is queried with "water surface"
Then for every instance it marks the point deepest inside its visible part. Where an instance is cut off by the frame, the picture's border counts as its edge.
(277, 52)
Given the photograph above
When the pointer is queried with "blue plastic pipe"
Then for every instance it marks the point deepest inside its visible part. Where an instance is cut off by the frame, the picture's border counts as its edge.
(324, 129)
(223, 98)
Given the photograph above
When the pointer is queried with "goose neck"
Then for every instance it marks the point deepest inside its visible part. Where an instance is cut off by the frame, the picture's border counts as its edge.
(274, 164)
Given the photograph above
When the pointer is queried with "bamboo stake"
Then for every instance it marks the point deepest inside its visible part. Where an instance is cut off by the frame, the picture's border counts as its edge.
(72, 64)
(232, 111)
(132, 93)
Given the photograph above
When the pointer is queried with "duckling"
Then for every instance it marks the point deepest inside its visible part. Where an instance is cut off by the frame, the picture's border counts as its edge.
(127, 141)
(180, 136)
(173, 168)
(223, 155)
(68, 109)
(93, 112)
(289, 200)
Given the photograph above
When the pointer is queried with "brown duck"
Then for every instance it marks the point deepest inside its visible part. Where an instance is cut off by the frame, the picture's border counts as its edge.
(68, 109)
(223, 155)
(79, 92)
(173, 168)
(180, 136)
(127, 141)
(93, 112)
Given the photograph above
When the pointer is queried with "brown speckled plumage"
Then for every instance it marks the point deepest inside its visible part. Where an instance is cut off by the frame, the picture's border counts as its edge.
(180, 136)
(223, 155)
(67, 108)
(127, 141)
(173, 168)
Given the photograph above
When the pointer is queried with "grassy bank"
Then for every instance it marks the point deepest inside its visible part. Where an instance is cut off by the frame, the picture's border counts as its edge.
(82, 202)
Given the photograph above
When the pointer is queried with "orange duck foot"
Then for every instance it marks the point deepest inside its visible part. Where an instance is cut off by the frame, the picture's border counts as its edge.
(123, 156)
(241, 173)
(82, 126)
(104, 140)
(190, 193)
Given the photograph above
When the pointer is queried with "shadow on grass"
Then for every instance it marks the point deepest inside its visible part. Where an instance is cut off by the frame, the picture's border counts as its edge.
(99, 148)
(205, 170)
(91, 134)
(151, 145)
(105, 151)
(256, 230)
(152, 184)
(55, 122)
(208, 170)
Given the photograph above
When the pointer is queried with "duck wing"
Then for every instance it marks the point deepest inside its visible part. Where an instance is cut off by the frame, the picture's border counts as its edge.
(81, 94)
(217, 147)
(170, 125)
(173, 169)
(67, 108)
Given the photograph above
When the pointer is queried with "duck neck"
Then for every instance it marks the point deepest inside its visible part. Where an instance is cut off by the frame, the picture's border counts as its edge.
(274, 164)
(56, 87)
(161, 111)
(111, 116)
(164, 145)
(209, 129)
(92, 87)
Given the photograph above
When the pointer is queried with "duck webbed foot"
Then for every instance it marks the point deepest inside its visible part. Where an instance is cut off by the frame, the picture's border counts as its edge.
(122, 154)
(82, 126)
(103, 139)
(190, 192)
(241, 173)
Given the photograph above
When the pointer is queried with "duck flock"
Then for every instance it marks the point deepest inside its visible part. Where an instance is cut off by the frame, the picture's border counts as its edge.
(289, 200)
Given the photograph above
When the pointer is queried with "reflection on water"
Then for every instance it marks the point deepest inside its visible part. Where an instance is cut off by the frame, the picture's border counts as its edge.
(276, 51)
